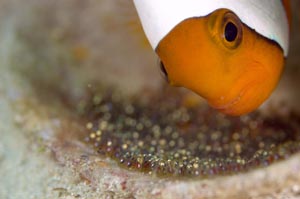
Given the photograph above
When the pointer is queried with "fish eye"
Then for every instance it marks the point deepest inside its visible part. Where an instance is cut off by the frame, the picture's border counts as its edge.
(163, 70)
(231, 30)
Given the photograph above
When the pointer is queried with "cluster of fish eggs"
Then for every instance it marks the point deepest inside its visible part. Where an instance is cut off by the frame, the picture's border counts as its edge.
(165, 136)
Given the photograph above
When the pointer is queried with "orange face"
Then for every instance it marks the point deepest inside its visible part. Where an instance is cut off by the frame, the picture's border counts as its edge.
(234, 68)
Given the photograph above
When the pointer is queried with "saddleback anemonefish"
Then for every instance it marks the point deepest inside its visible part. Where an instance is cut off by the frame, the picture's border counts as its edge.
(230, 52)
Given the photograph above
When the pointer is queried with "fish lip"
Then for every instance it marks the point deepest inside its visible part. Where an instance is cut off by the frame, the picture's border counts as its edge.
(227, 107)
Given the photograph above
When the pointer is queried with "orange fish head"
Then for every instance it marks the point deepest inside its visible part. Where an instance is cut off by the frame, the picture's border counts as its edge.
(217, 56)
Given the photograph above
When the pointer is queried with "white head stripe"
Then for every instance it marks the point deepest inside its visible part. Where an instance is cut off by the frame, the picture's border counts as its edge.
(267, 17)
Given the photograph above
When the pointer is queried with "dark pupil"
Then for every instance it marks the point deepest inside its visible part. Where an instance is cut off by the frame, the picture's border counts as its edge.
(231, 32)
(163, 70)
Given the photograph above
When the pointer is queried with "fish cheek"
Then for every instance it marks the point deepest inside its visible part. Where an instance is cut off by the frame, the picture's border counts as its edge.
(259, 74)
(185, 52)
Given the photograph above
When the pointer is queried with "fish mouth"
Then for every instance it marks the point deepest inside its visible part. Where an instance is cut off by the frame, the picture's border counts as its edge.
(239, 104)
(229, 107)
